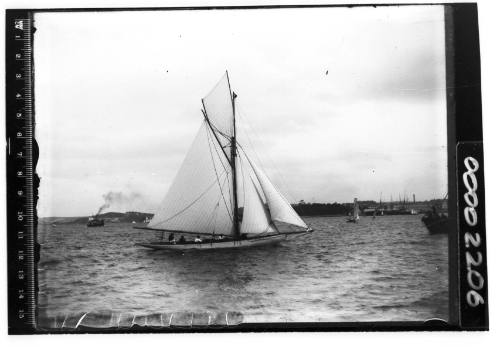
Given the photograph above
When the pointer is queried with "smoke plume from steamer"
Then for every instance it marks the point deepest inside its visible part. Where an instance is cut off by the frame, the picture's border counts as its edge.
(118, 200)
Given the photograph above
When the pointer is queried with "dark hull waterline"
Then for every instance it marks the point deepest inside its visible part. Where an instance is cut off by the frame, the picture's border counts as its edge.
(436, 225)
(221, 244)
(95, 223)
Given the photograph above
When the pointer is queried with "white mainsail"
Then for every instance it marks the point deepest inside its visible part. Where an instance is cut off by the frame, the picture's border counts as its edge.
(201, 198)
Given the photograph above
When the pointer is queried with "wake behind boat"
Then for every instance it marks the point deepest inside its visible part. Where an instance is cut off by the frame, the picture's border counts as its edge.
(219, 194)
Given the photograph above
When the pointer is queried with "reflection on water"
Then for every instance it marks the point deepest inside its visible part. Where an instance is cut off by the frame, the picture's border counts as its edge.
(388, 268)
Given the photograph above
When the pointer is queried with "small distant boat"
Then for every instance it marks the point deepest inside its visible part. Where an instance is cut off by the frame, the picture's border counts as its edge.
(219, 194)
(95, 222)
(436, 223)
(355, 212)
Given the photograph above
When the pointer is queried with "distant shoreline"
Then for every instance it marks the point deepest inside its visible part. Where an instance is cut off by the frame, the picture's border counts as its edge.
(303, 209)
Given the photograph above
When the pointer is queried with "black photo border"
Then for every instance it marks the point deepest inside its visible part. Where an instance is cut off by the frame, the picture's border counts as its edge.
(464, 130)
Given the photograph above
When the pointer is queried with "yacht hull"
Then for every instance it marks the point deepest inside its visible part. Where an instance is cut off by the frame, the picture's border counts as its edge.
(250, 242)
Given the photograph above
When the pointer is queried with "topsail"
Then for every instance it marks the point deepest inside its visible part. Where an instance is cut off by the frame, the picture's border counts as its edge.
(216, 174)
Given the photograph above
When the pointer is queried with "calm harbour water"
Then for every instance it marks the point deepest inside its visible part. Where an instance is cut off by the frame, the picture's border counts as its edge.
(388, 268)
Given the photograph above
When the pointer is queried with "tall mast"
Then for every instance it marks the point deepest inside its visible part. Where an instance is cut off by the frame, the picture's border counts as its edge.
(236, 219)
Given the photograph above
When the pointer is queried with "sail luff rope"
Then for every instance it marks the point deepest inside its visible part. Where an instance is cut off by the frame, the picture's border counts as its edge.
(221, 133)
(236, 222)
(214, 215)
(242, 183)
(204, 111)
(271, 223)
(216, 173)
(222, 148)
(256, 191)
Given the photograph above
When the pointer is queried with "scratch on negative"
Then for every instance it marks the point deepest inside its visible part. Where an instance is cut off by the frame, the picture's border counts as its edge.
(80, 320)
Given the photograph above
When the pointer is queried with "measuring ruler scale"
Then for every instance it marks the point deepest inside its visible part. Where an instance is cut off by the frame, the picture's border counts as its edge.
(22, 183)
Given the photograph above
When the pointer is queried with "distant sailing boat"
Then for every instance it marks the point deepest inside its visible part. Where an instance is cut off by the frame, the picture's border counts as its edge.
(355, 212)
(220, 192)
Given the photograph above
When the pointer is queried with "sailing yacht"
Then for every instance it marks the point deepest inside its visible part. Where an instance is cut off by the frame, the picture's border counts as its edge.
(219, 193)
(355, 212)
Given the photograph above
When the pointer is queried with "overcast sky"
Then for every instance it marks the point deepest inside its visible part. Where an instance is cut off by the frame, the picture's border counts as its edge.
(118, 100)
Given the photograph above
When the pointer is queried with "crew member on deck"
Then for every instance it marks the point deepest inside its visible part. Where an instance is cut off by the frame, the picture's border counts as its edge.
(171, 238)
(197, 239)
(182, 239)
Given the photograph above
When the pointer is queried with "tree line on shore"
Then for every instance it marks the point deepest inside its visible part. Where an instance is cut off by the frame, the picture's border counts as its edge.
(321, 209)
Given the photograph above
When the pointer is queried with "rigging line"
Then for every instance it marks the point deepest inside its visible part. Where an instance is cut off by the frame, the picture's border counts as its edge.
(215, 147)
(227, 137)
(213, 162)
(244, 121)
(214, 127)
(271, 183)
(214, 215)
(204, 111)
(242, 179)
(252, 182)
(216, 174)
(229, 189)
(191, 204)
(280, 176)
(267, 210)
(246, 155)
(228, 171)
(217, 206)
(226, 181)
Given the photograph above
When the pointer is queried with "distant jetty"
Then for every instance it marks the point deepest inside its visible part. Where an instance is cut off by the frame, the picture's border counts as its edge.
(319, 209)
(371, 207)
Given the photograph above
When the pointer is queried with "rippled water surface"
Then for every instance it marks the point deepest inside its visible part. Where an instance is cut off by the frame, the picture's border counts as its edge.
(388, 268)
